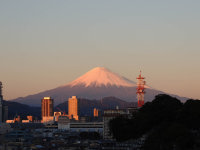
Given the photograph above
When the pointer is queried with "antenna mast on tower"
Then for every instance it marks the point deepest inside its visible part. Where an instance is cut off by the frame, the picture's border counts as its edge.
(140, 90)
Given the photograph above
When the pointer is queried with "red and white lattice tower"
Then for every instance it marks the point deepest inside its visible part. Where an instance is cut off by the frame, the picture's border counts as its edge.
(140, 90)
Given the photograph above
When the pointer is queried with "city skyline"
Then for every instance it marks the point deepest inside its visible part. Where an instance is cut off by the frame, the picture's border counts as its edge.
(45, 45)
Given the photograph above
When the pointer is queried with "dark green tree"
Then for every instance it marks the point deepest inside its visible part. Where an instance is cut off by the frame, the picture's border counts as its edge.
(190, 114)
(167, 122)
(120, 128)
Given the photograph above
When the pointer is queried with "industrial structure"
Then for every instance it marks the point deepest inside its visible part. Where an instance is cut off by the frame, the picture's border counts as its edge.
(140, 90)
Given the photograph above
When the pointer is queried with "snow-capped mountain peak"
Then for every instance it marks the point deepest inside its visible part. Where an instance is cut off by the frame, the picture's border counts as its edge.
(101, 76)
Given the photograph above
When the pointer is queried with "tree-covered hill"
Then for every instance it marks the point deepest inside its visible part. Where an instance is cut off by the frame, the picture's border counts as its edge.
(168, 124)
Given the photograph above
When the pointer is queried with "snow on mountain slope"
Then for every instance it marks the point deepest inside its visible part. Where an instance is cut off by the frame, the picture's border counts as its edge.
(95, 84)
(101, 76)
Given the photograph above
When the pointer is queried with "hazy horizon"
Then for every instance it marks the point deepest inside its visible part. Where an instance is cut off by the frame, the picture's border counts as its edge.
(45, 44)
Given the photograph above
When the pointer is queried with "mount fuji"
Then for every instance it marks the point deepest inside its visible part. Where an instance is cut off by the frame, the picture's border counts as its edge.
(101, 76)
(95, 84)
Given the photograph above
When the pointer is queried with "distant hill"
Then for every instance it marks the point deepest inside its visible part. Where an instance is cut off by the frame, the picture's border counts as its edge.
(86, 107)
(15, 108)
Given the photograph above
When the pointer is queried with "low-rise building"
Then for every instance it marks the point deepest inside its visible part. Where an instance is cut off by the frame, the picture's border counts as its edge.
(56, 115)
(25, 121)
(10, 121)
(63, 122)
(48, 120)
(5, 128)
(87, 127)
(113, 113)
(109, 115)
(30, 118)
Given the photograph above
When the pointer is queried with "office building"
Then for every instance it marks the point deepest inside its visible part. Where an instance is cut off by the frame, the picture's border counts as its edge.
(86, 127)
(47, 109)
(73, 108)
(109, 115)
(3, 107)
(64, 123)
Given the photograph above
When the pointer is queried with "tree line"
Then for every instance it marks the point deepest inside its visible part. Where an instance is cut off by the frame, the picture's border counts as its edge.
(167, 123)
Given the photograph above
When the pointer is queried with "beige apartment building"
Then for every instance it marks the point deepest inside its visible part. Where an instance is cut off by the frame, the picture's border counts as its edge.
(73, 108)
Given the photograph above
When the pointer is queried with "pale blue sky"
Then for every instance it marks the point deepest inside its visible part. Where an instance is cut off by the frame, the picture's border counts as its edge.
(45, 44)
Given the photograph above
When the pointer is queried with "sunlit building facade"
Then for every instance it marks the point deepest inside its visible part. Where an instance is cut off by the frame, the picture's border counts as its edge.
(73, 108)
(96, 112)
(57, 115)
(47, 107)
(30, 118)
(17, 119)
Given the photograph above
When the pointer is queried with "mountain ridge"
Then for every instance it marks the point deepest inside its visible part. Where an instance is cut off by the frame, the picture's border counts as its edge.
(86, 107)
(95, 84)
